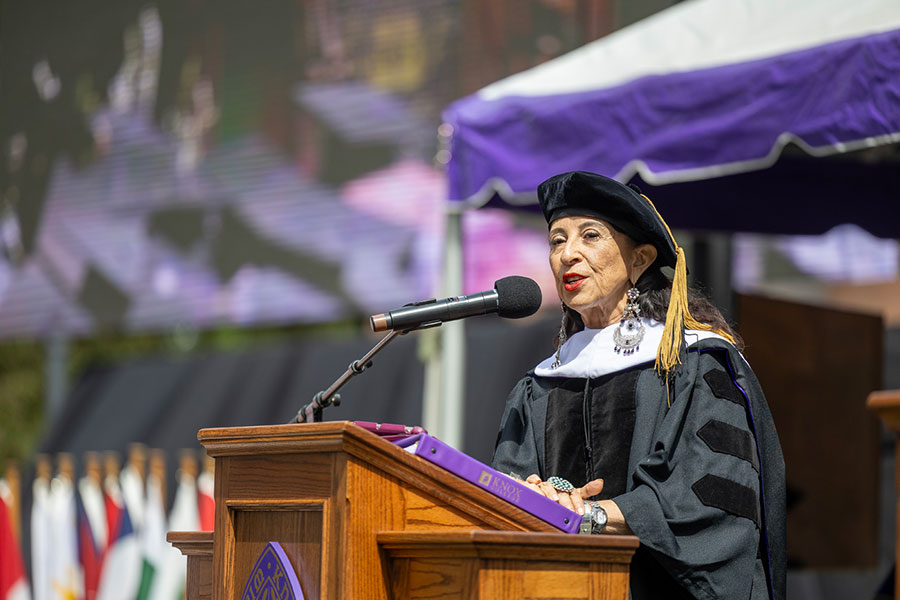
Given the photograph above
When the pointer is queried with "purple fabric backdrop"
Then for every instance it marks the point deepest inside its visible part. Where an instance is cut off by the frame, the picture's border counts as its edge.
(686, 126)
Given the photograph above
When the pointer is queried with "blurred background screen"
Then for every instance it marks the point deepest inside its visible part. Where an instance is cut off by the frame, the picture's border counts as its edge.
(202, 201)
(194, 164)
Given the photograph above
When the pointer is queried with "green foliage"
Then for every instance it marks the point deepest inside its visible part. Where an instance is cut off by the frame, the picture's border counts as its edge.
(23, 368)
(21, 398)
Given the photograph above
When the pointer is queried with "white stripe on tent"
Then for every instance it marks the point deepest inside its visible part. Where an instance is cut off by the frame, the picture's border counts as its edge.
(700, 34)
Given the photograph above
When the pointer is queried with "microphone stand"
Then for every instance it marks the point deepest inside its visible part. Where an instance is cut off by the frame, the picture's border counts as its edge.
(312, 412)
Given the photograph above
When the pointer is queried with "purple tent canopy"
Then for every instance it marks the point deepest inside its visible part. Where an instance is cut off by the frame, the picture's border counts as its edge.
(741, 116)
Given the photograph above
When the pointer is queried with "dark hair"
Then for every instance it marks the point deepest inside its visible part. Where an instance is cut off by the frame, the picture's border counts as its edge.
(655, 290)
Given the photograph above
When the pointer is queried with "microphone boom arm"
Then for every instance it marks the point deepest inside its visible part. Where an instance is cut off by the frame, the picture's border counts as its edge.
(513, 297)
(312, 412)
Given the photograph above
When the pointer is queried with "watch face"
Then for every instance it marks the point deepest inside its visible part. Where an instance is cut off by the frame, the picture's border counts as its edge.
(594, 519)
(598, 515)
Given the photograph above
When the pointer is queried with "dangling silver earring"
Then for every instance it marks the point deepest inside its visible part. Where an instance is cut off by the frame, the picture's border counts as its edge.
(561, 336)
(630, 331)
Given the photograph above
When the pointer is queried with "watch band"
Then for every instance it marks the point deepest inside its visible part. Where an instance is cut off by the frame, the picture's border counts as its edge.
(594, 518)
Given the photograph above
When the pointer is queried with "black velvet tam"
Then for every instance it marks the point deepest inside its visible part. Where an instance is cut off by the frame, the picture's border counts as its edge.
(579, 193)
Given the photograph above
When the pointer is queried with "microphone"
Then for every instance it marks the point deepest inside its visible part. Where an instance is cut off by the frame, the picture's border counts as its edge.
(513, 297)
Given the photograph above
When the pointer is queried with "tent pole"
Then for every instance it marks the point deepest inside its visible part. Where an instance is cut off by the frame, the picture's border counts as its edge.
(443, 402)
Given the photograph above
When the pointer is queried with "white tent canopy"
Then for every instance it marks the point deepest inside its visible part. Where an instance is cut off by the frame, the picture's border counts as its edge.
(698, 100)
(701, 90)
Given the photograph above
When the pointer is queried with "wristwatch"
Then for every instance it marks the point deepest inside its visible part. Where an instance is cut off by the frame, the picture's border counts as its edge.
(594, 518)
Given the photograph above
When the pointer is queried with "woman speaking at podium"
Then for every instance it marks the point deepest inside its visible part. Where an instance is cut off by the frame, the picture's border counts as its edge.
(647, 418)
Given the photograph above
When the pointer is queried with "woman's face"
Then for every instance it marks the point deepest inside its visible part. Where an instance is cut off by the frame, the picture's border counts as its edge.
(593, 266)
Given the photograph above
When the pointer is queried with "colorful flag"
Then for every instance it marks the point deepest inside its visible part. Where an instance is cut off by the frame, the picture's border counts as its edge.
(170, 579)
(13, 583)
(153, 537)
(66, 578)
(41, 540)
(121, 565)
(206, 503)
(92, 533)
(133, 493)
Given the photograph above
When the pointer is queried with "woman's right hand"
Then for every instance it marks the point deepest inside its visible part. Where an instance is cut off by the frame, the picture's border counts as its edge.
(573, 500)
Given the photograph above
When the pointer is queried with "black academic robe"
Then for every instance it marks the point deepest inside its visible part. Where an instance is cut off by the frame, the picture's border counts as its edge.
(703, 488)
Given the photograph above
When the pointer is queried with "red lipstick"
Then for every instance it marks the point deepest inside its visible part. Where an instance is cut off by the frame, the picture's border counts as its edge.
(573, 281)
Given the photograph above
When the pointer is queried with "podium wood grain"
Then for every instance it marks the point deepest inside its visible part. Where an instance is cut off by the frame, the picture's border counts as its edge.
(887, 404)
(481, 565)
(327, 491)
(197, 546)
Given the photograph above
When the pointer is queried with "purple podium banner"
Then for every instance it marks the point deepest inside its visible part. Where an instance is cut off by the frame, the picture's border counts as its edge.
(503, 486)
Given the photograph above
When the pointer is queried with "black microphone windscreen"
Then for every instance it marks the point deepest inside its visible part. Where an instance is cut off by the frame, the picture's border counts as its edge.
(517, 297)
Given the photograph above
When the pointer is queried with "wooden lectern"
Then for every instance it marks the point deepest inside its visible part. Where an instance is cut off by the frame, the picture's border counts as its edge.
(887, 404)
(360, 518)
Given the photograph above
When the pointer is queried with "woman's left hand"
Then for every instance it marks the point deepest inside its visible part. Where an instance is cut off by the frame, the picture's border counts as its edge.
(573, 500)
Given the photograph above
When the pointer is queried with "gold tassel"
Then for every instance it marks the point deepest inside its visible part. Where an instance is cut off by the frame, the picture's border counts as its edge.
(678, 317)
(669, 352)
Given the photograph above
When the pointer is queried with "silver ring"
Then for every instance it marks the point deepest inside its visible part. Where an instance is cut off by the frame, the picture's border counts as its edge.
(560, 484)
